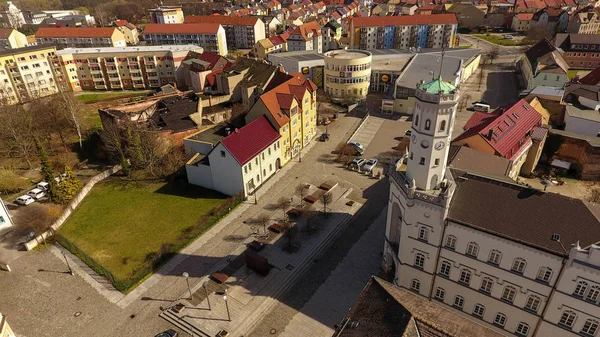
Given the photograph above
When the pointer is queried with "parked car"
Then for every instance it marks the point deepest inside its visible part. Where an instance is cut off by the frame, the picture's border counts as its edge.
(508, 36)
(370, 165)
(168, 333)
(408, 133)
(357, 146)
(324, 137)
(42, 185)
(36, 193)
(481, 107)
(24, 200)
(357, 163)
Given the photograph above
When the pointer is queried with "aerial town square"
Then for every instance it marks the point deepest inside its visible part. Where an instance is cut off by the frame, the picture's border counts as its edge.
(300, 168)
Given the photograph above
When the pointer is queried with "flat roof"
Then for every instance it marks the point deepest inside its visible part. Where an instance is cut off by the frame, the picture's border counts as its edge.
(585, 113)
(547, 91)
(347, 54)
(132, 49)
(212, 135)
(25, 49)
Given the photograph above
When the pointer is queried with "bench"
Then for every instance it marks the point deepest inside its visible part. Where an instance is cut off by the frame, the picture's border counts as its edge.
(256, 246)
(219, 277)
(311, 199)
(294, 212)
(276, 228)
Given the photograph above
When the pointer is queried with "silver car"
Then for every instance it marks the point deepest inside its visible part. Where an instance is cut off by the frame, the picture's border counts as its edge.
(370, 165)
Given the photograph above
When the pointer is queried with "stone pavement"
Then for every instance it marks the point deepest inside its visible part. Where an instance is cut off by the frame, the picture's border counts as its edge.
(330, 304)
(368, 130)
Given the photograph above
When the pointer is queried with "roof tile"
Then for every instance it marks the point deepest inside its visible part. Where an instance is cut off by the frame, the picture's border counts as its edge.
(247, 142)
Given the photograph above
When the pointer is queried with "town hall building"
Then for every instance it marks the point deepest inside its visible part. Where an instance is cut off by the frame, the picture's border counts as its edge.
(520, 261)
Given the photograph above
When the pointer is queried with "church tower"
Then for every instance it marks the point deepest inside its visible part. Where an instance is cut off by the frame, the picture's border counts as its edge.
(433, 120)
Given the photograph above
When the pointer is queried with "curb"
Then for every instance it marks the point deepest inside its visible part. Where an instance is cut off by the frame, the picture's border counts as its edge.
(360, 125)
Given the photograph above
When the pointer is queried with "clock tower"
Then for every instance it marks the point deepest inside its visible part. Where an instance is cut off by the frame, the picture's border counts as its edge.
(432, 124)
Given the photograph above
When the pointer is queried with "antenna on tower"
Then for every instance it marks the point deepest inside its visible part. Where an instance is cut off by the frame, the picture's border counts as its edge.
(442, 62)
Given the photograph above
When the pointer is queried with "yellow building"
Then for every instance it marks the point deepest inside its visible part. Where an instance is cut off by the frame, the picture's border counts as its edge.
(140, 67)
(12, 38)
(166, 14)
(26, 74)
(292, 109)
(270, 45)
(129, 31)
(347, 74)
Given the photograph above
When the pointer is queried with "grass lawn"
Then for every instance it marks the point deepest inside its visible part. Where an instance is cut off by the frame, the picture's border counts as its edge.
(572, 72)
(122, 225)
(94, 97)
(499, 40)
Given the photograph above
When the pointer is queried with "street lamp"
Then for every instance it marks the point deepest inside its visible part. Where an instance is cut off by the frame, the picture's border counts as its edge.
(187, 280)
(204, 285)
(68, 265)
(227, 306)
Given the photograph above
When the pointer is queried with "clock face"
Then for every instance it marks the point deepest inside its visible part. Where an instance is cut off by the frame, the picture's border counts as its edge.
(414, 139)
(439, 145)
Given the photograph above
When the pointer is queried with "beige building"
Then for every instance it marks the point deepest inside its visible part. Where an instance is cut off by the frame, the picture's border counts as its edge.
(347, 74)
(129, 31)
(81, 37)
(140, 67)
(242, 33)
(166, 14)
(584, 23)
(210, 36)
(12, 38)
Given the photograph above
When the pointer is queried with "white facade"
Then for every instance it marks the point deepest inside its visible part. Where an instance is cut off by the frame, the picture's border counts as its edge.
(581, 124)
(5, 220)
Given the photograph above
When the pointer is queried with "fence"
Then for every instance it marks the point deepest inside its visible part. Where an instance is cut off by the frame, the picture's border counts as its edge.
(97, 267)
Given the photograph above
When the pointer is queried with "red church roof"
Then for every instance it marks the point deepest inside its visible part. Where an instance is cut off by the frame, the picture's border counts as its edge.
(251, 140)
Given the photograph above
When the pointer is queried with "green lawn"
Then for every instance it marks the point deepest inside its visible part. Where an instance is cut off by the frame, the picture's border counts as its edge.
(95, 97)
(499, 40)
(125, 226)
(572, 72)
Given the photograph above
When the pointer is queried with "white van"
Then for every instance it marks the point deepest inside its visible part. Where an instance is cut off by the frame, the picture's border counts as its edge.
(481, 107)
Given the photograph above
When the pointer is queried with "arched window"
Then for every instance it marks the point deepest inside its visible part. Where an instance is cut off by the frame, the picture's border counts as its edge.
(509, 294)
(519, 265)
(580, 288)
(443, 126)
(451, 241)
(500, 319)
(419, 260)
(568, 318)
(416, 120)
(440, 293)
(465, 277)
(427, 124)
(486, 285)
(478, 310)
(472, 249)
(533, 303)
(423, 233)
(445, 269)
(495, 257)
(522, 329)
(415, 284)
(459, 301)
(593, 294)
(590, 327)
(544, 274)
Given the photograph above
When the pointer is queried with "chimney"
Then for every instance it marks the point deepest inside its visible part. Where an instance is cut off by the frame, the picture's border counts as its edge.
(236, 130)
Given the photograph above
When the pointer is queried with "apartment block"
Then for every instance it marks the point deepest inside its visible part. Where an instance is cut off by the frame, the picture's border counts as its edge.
(242, 33)
(210, 36)
(166, 14)
(81, 37)
(122, 68)
(403, 32)
(26, 74)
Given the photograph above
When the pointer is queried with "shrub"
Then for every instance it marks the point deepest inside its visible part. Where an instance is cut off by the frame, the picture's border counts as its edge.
(10, 182)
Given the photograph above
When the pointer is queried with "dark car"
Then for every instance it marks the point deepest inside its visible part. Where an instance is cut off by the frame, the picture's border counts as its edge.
(168, 333)
(324, 137)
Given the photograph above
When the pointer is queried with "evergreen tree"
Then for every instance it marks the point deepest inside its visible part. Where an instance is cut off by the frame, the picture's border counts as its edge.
(69, 185)
(47, 171)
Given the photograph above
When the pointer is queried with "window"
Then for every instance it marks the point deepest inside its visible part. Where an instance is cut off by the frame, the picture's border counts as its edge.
(440, 293)
(443, 126)
(544, 274)
(522, 329)
(495, 257)
(478, 310)
(533, 303)
(415, 284)
(250, 166)
(459, 301)
(472, 249)
(593, 294)
(423, 233)
(519, 265)
(580, 288)
(417, 120)
(445, 269)
(500, 319)
(451, 241)
(222, 153)
(465, 276)
(419, 260)
(567, 319)
(427, 124)
(590, 327)
(422, 161)
(509, 294)
(486, 285)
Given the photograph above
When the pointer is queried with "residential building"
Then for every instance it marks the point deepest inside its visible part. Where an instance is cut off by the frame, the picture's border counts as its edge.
(332, 33)
(34, 16)
(129, 31)
(468, 15)
(581, 110)
(581, 51)
(109, 68)
(543, 64)
(241, 162)
(210, 36)
(81, 37)
(585, 21)
(5, 222)
(272, 25)
(242, 33)
(166, 15)
(200, 69)
(511, 258)
(306, 37)
(552, 19)
(74, 15)
(11, 16)
(347, 75)
(505, 132)
(577, 154)
(403, 32)
(547, 100)
(273, 44)
(291, 108)
(521, 22)
(26, 74)
(11, 38)
(5, 330)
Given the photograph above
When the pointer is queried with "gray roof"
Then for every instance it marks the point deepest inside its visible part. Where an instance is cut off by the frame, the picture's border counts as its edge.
(593, 141)
(583, 113)
(467, 159)
(426, 66)
(547, 91)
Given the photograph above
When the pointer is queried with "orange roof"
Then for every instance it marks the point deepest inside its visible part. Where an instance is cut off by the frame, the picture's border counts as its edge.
(121, 23)
(525, 16)
(5, 32)
(375, 21)
(224, 20)
(305, 29)
(182, 28)
(75, 32)
(282, 96)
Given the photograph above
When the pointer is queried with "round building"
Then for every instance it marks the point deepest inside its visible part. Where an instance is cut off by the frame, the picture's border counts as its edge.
(347, 74)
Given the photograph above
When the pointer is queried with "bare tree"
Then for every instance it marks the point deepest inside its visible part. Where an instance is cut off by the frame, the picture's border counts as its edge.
(290, 233)
(594, 195)
(17, 130)
(300, 190)
(262, 220)
(36, 218)
(493, 54)
(481, 76)
(309, 221)
(326, 199)
(72, 108)
(465, 100)
(283, 204)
